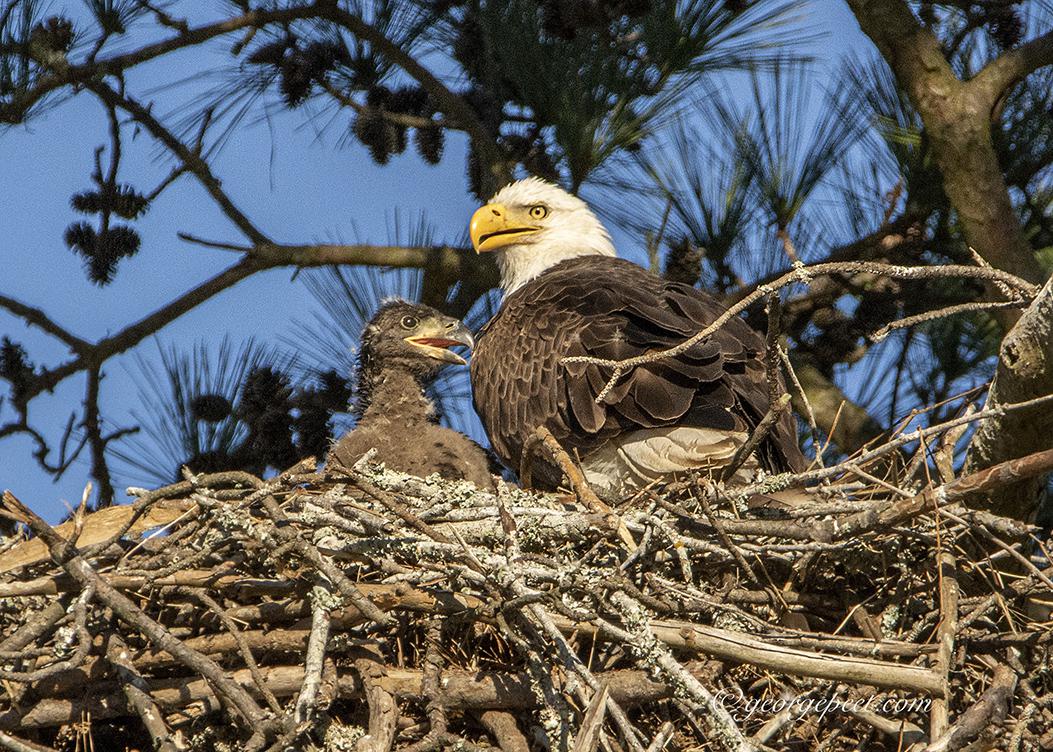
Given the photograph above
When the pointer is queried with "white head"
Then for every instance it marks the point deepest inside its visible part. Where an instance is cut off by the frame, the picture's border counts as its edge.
(533, 225)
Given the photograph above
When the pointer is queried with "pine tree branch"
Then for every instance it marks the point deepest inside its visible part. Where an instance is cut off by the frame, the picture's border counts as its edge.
(131, 335)
(39, 319)
(449, 103)
(957, 120)
(191, 158)
(893, 241)
(66, 75)
(1012, 66)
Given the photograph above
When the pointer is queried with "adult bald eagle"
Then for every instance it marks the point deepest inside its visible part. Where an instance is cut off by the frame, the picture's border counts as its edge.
(567, 295)
(402, 350)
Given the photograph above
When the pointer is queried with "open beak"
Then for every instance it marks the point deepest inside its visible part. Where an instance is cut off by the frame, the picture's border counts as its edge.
(438, 336)
(494, 226)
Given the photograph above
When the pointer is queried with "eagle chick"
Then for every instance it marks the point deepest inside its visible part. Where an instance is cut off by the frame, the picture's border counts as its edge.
(402, 350)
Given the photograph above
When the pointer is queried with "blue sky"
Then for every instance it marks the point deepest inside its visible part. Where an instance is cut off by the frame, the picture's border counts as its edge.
(297, 185)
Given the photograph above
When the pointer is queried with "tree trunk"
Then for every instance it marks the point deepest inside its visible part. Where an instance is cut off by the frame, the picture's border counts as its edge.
(957, 119)
(1025, 371)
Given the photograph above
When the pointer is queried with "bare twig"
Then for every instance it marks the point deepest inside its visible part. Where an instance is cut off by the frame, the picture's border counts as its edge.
(800, 273)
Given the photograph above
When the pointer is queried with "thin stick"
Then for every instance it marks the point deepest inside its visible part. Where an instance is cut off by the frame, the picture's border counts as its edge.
(315, 659)
(758, 435)
(137, 690)
(801, 273)
(581, 487)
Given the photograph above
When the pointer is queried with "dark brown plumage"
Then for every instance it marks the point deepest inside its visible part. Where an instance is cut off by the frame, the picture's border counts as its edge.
(610, 308)
(403, 348)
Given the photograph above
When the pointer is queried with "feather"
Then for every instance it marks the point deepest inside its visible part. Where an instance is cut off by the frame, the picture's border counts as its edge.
(610, 308)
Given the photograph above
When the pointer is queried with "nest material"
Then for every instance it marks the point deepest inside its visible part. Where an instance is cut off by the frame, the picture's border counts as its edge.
(360, 609)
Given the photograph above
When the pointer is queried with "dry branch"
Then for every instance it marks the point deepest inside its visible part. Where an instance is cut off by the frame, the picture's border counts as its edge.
(802, 274)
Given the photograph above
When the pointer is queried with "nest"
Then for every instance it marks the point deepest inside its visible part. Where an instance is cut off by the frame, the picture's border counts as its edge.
(361, 609)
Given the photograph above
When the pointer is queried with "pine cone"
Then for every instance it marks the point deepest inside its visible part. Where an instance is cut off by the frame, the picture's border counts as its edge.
(334, 390)
(296, 80)
(398, 138)
(213, 461)
(16, 368)
(323, 56)
(272, 53)
(128, 203)
(54, 34)
(263, 390)
(89, 202)
(1005, 26)
(312, 424)
(378, 135)
(124, 201)
(378, 96)
(408, 100)
(102, 250)
(683, 262)
(211, 408)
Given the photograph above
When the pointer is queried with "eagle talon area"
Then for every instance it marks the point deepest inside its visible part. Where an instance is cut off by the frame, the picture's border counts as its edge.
(390, 595)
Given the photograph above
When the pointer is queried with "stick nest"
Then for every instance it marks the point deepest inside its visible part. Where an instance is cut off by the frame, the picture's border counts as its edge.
(361, 609)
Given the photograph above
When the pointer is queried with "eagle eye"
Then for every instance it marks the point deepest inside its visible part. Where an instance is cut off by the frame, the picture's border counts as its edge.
(538, 211)
(409, 322)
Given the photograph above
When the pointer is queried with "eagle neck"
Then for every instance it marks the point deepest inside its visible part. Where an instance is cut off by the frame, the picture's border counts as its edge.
(521, 264)
(396, 395)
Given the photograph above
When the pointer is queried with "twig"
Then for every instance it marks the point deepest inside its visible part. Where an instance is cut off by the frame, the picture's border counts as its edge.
(800, 273)
(907, 321)
(383, 710)
(432, 689)
(665, 733)
(588, 736)
(581, 487)
(503, 727)
(343, 584)
(758, 435)
(639, 639)
(989, 710)
(246, 707)
(981, 478)
(21, 745)
(137, 690)
(945, 632)
(315, 658)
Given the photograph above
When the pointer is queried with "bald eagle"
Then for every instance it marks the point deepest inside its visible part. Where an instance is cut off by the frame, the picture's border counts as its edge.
(402, 350)
(565, 294)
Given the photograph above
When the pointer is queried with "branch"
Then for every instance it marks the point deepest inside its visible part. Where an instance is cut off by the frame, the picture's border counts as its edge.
(787, 480)
(463, 689)
(988, 711)
(1012, 66)
(895, 239)
(85, 575)
(189, 157)
(55, 79)
(137, 690)
(802, 273)
(39, 319)
(454, 263)
(847, 424)
(451, 104)
(131, 335)
(957, 119)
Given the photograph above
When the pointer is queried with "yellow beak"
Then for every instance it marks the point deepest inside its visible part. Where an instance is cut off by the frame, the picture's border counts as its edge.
(494, 226)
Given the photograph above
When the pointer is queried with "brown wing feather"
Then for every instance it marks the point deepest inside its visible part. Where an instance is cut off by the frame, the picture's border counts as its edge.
(613, 309)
